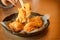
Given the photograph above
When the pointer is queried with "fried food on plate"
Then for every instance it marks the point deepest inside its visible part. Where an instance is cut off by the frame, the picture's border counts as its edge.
(21, 15)
(27, 9)
(31, 23)
(29, 27)
(34, 23)
(21, 18)
(37, 19)
(24, 13)
(16, 26)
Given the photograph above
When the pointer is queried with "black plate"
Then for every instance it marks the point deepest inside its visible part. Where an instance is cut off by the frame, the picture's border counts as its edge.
(12, 18)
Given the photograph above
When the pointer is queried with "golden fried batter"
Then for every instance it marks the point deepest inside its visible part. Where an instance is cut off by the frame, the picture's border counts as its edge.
(16, 26)
(27, 9)
(24, 13)
(37, 19)
(21, 15)
(34, 23)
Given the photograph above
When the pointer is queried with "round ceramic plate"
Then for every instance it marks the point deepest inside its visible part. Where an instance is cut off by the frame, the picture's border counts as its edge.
(3, 6)
(12, 17)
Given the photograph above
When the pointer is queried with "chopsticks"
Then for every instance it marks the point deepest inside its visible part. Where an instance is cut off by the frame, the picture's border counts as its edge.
(22, 4)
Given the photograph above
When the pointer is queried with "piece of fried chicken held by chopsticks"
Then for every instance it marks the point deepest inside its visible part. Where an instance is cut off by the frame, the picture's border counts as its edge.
(21, 15)
(24, 13)
(35, 23)
(27, 9)
(16, 26)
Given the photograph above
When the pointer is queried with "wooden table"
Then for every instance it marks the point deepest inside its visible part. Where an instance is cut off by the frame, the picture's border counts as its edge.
(50, 7)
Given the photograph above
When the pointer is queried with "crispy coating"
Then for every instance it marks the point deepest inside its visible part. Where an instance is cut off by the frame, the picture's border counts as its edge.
(34, 23)
(29, 27)
(27, 9)
(21, 15)
(16, 26)
(38, 20)
(24, 13)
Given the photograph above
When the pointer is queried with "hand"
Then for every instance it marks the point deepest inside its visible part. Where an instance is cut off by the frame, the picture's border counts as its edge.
(13, 1)
(10, 1)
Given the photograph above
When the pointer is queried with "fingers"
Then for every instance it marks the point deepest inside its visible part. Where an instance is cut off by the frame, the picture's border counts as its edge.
(4, 2)
(12, 2)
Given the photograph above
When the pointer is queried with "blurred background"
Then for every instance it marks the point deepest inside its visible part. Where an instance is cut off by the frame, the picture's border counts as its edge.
(51, 7)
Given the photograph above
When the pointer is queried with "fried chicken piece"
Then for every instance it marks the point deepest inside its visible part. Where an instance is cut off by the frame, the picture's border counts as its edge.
(24, 13)
(34, 23)
(29, 27)
(27, 9)
(21, 15)
(37, 19)
(16, 26)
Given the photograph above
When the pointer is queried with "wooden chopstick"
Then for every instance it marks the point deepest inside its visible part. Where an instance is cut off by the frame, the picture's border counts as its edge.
(22, 4)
